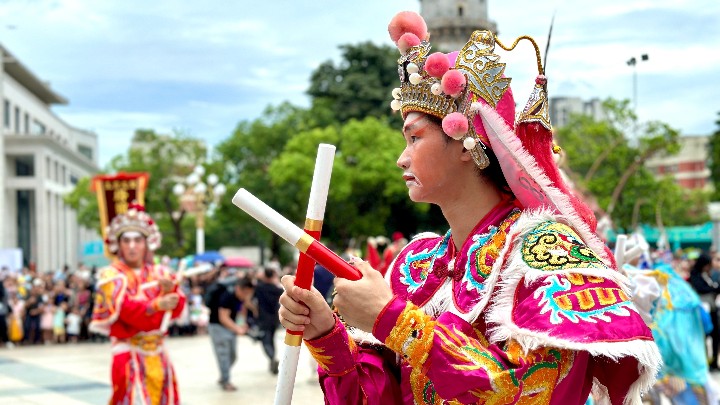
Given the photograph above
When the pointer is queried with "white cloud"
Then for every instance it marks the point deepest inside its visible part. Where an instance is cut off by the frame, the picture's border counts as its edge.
(205, 66)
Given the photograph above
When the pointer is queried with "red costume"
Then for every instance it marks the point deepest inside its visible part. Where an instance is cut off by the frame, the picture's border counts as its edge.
(128, 312)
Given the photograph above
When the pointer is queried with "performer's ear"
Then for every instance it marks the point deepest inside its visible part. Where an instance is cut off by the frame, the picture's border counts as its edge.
(466, 156)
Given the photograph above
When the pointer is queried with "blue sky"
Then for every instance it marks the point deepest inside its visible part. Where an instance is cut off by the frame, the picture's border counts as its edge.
(202, 67)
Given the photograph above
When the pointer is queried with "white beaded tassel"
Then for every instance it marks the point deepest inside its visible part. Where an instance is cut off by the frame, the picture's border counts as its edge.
(415, 78)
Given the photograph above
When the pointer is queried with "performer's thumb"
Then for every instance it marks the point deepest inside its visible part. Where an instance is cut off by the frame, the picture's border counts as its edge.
(361, 265)
(312, 298)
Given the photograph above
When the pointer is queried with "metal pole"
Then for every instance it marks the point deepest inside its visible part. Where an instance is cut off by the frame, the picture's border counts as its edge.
(635, 88)
(200, 231)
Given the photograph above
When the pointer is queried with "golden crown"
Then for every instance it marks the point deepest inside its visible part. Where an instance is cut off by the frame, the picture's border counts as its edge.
(454, 87)
(419, 91)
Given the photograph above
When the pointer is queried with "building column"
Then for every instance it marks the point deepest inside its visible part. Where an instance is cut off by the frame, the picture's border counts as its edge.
(63, 235)
(41, 230)
(52, 245)
(4, 221)
(72, 239)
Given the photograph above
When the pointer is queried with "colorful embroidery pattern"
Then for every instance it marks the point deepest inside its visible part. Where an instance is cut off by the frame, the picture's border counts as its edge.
(412, 335)
(518, 378)
(554, 246)
(485, 250)
(414, 271)
(548, 366)
(578, 300)
(522, 378)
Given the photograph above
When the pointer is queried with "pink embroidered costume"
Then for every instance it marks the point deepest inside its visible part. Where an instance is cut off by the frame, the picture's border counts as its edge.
(530, 308)
(128, 312)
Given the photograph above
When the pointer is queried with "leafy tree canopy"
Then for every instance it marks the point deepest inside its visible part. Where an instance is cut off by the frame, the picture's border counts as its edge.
(714, 160)
(168, 159)
(359, 86)
(609, 166)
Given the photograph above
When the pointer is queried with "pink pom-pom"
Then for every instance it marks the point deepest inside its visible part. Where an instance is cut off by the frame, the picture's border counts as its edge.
(407, 21)
(453, 82)
(541, 79)
(455, 125)
(407, 41)
(437, 64)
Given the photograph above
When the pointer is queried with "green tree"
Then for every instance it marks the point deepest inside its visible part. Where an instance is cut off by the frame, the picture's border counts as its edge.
(359, 86)
(714, 160)
(245, 158)
(611, 168)
(367, 195)
(168, 159)
(84, 202)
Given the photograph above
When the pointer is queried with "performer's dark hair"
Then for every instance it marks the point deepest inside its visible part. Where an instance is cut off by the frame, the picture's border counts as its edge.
(492, 173)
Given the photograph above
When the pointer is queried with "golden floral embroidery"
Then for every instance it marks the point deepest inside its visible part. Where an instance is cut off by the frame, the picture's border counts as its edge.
(325, 361)
(523, 378)
(555, 246)
(489, 251)
(412, 335)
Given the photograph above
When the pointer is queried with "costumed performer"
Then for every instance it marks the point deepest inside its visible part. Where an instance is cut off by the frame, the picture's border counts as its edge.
(678, 321)
(131, 316)
(520, 301)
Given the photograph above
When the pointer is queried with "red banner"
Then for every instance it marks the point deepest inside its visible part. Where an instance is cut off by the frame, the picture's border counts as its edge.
(115, 192)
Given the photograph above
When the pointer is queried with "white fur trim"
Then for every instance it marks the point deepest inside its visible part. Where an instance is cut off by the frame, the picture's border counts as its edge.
(509, 140)
(442, 301)
(646, 352)
(362, 337)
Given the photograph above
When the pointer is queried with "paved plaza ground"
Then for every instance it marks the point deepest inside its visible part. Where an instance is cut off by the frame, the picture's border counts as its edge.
(78, 374)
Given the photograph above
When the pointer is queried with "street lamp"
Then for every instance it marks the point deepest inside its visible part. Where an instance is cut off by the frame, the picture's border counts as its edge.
(633, 62)
(196, 194)
(714, 212)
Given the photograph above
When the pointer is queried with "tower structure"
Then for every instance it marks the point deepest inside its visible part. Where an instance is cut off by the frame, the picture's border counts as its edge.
(451, 22)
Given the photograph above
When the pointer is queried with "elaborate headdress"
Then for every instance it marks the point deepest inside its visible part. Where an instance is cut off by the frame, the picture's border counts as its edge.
(469, 92)
(134, 220)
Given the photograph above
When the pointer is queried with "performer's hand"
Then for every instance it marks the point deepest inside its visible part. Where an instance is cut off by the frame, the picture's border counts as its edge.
(360, 302)
(166, 285)
(242, 330)
(304, 310)
(168, 302)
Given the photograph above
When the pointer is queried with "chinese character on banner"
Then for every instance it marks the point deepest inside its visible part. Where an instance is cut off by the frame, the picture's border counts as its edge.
(115, 193)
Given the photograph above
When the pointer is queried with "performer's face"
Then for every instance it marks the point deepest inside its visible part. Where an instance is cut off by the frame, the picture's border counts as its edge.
(132, 249)
(429, 161)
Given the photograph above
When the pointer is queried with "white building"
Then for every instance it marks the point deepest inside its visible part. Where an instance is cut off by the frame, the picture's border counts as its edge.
(562, 107)
(41, 159)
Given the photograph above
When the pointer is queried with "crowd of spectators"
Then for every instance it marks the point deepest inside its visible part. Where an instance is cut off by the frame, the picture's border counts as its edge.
(46, 308)
(56, 307)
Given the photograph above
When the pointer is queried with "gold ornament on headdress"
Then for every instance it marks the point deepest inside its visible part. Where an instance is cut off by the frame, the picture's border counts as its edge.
(482, 69)
(536, 109)
(480, 65)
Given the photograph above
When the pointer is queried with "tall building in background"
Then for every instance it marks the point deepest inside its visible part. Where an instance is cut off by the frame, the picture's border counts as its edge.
(41, 159)
(450, 23)
(562, 107)
(689, 167)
